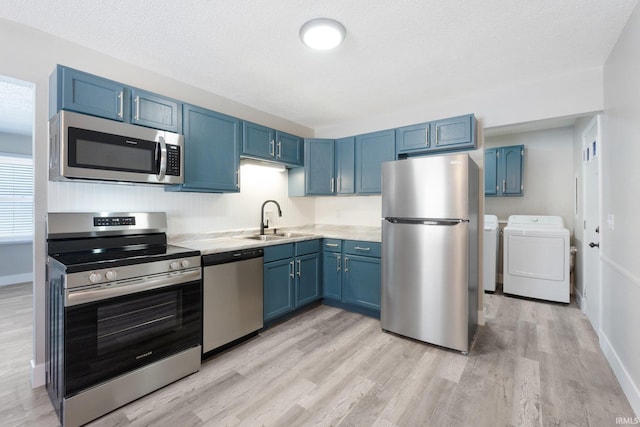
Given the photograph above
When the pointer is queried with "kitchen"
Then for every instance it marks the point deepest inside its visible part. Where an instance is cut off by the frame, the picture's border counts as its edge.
(191, 213)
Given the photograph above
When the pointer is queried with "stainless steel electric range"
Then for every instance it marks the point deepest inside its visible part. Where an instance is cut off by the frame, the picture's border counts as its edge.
(123, 311)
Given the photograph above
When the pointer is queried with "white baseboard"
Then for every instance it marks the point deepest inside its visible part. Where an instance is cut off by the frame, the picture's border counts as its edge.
(481, 317)
(580, 301)
(16, 278)
(37, 375)
(626, 382)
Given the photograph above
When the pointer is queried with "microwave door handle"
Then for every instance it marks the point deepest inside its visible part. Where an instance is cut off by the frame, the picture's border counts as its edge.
(163, 158)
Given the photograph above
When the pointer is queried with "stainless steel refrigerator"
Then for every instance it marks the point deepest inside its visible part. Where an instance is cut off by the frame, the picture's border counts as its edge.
(430, 249)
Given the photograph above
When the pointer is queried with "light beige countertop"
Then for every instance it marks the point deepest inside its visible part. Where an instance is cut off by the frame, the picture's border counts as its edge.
(211, 243)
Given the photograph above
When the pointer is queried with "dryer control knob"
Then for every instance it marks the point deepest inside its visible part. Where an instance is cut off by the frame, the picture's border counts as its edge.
(184, 263)
(111, 275)
(174, 265)
(95, 277)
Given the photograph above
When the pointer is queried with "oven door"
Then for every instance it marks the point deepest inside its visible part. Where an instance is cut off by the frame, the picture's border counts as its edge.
(107, 338)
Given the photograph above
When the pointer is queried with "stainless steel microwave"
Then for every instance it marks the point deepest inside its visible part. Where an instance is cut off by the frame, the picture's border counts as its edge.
(87, 147)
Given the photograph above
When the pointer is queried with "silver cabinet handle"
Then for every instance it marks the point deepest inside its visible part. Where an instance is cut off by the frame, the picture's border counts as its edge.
(338, 263)
(121, 106)
(271, 148)
(332, 182)
(291, 269)
(346, 264)
(331, 245)
(299, 268)
(358, 248)
(237, 178)
(137, 116)
(504, 185)
(426, 137)
(279, 155)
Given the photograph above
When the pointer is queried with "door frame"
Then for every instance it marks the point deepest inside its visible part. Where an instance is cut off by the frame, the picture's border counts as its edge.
(595, 122)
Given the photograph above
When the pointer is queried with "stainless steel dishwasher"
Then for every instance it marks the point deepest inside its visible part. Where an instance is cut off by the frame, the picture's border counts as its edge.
(232, 301)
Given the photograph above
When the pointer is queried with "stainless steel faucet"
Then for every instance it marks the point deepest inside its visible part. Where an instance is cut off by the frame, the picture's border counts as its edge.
(262, 224)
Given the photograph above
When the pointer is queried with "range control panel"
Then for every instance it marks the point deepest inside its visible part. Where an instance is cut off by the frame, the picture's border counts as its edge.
(113, 221)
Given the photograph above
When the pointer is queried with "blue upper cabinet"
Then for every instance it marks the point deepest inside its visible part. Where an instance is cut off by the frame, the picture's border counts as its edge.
(289, 148)
(413, 138)
(81, 92)
(258, 141)
(264, 143)
(345, 153)
(319, 169)
(85, 93)
(211, 145)
(454, 133)
(503, 173)
(491, 186)
(511, 170)
(372, 150)
(148, 109)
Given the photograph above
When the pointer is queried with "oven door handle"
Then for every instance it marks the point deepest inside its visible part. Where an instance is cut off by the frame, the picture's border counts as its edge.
(163, 280)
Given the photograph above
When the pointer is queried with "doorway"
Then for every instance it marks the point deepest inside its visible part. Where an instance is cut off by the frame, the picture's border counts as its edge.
(591, 154)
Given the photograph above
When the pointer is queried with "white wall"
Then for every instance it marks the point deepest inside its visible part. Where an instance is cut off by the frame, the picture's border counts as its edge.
(14, 143)
(548, 175)
(621, 199)
(349, 210)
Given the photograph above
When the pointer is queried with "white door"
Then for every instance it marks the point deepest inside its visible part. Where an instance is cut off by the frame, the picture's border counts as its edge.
(591, 240)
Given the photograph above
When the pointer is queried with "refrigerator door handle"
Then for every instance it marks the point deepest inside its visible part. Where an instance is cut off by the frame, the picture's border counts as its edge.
(427, 221)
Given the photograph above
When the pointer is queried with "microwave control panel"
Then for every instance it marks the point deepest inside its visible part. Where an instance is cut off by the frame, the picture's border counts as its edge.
(173, 160)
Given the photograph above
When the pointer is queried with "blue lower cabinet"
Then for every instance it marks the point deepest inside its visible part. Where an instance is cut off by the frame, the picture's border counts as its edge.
(290, 281)
(332, 275)
(278, 288)
(361, 281)
(307, 279)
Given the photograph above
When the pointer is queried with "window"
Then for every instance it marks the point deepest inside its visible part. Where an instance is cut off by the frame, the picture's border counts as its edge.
(16, 196)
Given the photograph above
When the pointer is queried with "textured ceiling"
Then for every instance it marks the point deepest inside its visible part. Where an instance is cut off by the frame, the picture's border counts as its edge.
(396, 54)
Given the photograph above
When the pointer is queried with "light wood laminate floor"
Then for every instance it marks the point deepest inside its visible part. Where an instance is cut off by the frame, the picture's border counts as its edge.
(533, 363)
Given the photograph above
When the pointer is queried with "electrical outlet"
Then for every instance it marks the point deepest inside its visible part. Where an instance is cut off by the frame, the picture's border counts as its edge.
(268, 216)
(610, 221)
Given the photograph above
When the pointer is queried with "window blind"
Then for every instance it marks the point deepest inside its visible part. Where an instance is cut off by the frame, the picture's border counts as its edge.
(16, 196)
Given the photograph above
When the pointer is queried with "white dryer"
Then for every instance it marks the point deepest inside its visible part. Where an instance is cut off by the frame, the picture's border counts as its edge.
(536, 257)
(490, 239)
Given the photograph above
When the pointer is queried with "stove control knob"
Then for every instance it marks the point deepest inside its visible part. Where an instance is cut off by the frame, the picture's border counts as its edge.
(184, 263)
(111, 275)
(174, 265)
(95, 277)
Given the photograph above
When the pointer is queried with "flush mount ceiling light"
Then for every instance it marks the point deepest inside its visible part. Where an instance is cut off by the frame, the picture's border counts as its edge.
(322, 33)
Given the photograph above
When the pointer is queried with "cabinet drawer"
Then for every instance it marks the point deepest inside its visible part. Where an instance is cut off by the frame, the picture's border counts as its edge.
(332, 245)
(362, 248)
(273, 253)
(307, 247)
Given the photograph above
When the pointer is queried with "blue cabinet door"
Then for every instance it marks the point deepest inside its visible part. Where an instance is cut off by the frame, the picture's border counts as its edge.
(371, 151)
(307, 279)
(413, 138)
(258, 141)
(289, 148)
(332, 275)
(454, 133)
(211, 146)
(279, 297)
(345, 154)
(362, 278)
(319, 167)
(88, 94)
(491, 172)
(511, 168)
(151, 110)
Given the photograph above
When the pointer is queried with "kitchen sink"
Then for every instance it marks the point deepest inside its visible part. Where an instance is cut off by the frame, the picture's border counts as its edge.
(277, 236)
(263, 237)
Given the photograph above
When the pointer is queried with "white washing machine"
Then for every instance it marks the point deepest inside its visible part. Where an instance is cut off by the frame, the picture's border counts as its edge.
(490, 238)
(536, 257)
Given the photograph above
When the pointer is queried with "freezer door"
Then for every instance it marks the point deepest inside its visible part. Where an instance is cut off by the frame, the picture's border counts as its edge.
(426, 187)
(425, 282)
